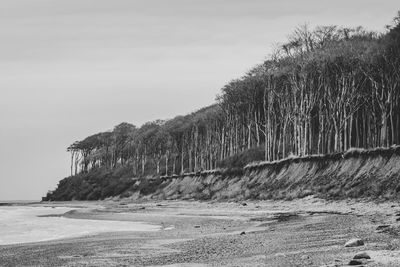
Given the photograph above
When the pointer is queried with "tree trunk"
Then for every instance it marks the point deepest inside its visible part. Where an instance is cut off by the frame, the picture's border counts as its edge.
(166, 164)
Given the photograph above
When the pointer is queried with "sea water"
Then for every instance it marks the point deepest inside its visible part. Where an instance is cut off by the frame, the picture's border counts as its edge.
(23, 224)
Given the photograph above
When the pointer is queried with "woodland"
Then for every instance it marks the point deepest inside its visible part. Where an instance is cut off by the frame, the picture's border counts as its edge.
(325, 90)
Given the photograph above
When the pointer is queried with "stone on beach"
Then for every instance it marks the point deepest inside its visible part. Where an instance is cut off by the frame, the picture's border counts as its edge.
(355, 262)
(305, 257)
(382, 227)
(362, 255)
(355, 242)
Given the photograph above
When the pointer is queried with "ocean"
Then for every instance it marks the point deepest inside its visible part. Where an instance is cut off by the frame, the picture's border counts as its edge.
(25, 224)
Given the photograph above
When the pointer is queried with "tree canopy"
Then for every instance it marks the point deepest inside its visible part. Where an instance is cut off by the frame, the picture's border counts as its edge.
(323, 91)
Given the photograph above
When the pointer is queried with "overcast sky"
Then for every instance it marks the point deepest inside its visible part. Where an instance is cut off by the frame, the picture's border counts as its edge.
(71, 68)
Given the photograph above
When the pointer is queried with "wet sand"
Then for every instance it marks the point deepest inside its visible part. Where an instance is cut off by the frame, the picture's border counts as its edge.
(23, 224)
(306, 232)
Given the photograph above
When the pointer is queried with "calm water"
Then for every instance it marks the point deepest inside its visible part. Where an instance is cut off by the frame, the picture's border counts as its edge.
(21, 224)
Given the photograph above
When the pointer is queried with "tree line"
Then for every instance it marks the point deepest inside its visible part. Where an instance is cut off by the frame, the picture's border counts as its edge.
(323, 91)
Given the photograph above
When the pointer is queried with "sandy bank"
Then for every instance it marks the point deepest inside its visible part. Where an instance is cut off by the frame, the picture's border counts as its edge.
(370, 173)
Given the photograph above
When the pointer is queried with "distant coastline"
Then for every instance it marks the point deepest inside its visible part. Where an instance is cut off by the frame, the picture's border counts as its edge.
(18, 202)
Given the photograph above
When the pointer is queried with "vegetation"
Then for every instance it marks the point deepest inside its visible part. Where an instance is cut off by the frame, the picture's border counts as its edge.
(324, 91)
(355, 173)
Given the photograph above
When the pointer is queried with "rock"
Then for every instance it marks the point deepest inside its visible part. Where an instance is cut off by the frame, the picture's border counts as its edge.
(243, 233)
(382, 227)
(355, 242)
(362, 255)
(305, 257)
(398, 219)
(355, 262)
(142, 208)
(158, 205)
(393, 206)
(197, 226)
(244, 204)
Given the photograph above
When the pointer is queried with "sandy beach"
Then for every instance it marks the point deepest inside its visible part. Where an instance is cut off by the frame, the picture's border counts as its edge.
(305, 232)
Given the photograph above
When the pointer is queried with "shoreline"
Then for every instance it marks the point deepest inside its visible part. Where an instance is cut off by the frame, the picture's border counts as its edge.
(25, 224)
(6, 203)
(307, 231)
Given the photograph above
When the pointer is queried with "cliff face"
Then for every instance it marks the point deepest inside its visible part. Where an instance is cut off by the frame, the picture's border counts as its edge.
(350, 175)
(354, 174)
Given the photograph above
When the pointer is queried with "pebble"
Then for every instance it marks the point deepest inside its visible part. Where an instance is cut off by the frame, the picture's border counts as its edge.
(355, 262)
(362, 255)
(305, 257)
(382, 227)
(355, 242)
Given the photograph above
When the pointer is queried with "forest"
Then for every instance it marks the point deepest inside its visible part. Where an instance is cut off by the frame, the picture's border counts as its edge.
(325, 90)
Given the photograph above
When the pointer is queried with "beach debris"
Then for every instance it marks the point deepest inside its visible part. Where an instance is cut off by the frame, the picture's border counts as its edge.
(243, 233)
(382, 227)
(355, 242)
(355, 262)
(362, 255)
(284, 217)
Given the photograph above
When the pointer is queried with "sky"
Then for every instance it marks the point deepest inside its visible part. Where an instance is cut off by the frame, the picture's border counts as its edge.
(72, 68)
